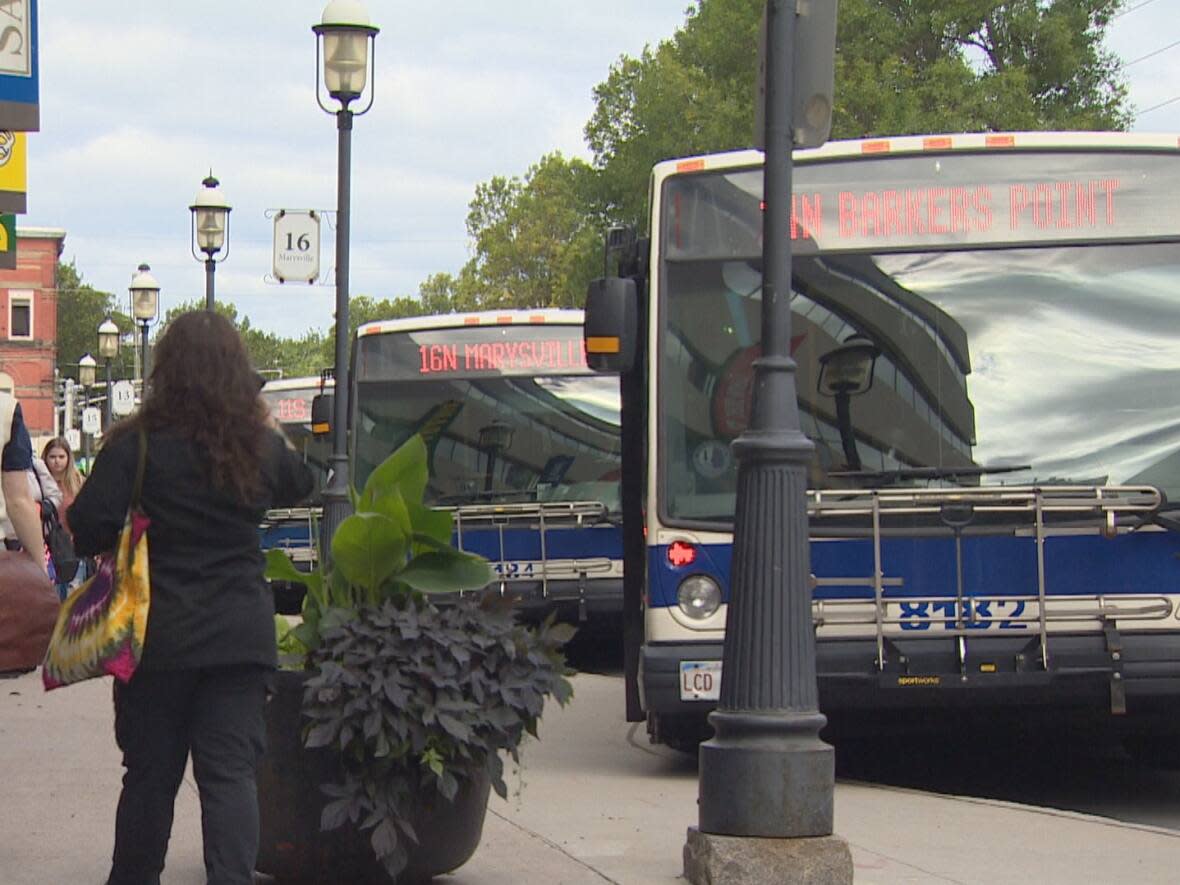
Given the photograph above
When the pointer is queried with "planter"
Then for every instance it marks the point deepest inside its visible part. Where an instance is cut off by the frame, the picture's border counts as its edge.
(292, 847)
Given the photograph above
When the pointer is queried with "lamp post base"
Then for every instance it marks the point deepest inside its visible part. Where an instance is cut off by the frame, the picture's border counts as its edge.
(752, 860)
(767, 774)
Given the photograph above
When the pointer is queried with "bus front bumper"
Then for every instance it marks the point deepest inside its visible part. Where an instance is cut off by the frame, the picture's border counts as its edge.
(1084, 670)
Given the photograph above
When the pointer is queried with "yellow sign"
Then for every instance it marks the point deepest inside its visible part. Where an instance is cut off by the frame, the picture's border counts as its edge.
(14, 171)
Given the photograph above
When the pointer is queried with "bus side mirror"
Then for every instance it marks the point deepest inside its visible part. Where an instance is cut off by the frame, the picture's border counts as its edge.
(322, 406)
(610, 320)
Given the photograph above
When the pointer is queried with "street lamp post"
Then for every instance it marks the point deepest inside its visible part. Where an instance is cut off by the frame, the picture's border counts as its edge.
(145, 304)
(765, 775)
(347, 40)
(210, 230)
(108, 349)
(86, 371)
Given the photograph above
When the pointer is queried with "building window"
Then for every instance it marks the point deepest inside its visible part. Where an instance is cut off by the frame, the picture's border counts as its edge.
(20, 315)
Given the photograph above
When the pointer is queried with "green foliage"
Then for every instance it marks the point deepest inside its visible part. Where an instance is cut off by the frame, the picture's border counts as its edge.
(80, 310)
(414, 697)
(294, 357)
(538, 241)
(391, 547)
(417, 698)
(902, 67)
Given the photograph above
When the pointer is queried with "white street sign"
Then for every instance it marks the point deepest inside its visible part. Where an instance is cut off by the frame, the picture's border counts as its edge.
(297, 246)
(91, 420)
(74, 438)
(122, 398)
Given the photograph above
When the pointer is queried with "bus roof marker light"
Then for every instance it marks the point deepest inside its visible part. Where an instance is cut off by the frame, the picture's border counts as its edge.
(681, 554)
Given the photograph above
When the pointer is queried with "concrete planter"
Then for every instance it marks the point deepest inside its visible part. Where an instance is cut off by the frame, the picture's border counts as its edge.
(292, 847)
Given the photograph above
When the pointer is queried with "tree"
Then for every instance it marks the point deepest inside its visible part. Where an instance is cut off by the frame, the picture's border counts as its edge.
(269, 353)
(902, 67)
(80, 310)
(537, 241)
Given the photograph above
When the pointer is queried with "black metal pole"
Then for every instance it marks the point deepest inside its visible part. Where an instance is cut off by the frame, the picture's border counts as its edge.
(210, 270)
(107, 406)
(336, 503)
(85, 435)
(143, 361)
(766, 772)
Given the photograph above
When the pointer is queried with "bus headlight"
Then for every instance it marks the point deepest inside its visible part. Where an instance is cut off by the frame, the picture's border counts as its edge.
(698, 596)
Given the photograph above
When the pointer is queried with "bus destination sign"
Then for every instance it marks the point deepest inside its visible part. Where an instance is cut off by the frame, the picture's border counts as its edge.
(543, 356)
(473, 351)
(938, 201)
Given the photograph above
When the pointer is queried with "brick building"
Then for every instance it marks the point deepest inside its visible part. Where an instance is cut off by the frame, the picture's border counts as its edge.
(28, 325)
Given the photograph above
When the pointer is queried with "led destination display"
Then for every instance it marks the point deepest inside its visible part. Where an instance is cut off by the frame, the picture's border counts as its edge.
(475, 351)
(938, 201)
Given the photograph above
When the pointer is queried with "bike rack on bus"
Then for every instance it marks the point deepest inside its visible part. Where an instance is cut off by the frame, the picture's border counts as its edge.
(1086, 508)
(541, 517)
(299, 552)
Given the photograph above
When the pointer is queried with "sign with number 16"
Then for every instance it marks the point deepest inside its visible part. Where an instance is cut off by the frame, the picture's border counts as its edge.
(297, 246)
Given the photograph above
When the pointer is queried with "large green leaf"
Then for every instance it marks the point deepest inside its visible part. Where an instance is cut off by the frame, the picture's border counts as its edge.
(435, 524)
(280, 568)
(405, 470)
(369, 547)
(441, 571)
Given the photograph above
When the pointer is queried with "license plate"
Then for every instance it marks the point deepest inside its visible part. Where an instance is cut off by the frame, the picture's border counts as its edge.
(700, 680)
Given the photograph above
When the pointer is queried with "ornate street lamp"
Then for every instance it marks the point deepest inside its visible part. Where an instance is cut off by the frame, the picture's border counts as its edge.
(108, 349)
(347, 41)
(87, 366)
(210, 230)
(145, 304)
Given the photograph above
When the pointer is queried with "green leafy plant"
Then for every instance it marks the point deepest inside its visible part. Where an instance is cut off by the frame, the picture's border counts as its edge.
(414, 697)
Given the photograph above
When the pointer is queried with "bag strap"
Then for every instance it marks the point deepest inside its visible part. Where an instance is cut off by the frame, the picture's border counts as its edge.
(139, 469)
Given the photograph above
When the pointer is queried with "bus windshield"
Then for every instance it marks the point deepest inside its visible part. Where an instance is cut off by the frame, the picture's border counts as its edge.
(289, 400)
(1040, 357)
(509, 414)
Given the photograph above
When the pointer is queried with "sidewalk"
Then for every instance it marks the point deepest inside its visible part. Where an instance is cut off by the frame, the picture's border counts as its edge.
(593, 804)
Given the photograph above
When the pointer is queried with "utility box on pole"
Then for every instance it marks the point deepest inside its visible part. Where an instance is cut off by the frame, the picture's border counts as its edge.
(813, 72)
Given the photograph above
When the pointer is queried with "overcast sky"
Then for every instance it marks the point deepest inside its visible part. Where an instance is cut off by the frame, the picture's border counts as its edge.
(140, 98)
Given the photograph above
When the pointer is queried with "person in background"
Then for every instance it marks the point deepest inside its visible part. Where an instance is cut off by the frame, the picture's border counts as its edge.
(59, 461)
(18, 507)
(59, 458)
(213, 468)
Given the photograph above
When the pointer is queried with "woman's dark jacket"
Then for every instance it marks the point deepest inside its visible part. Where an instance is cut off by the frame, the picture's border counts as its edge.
(210, 605)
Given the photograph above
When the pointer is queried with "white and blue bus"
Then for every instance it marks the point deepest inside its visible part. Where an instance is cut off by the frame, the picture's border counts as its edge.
(293, 529)
(984, 328)
(523, 442)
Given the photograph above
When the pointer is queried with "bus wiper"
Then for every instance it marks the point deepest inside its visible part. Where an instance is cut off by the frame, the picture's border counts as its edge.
(885, 477)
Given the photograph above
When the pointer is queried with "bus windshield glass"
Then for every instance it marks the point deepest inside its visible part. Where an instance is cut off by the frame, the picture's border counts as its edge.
(289, 400)
(955, 321)
(509, 413)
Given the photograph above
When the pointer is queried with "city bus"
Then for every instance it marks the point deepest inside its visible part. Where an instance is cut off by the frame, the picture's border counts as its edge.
(294, 529)
(523, 442)
(983, 327)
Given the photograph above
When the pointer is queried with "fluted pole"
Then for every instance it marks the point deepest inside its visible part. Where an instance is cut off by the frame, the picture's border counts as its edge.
(766, 772)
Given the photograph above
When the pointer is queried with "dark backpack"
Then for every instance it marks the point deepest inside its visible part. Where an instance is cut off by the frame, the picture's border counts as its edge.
(59, 542)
